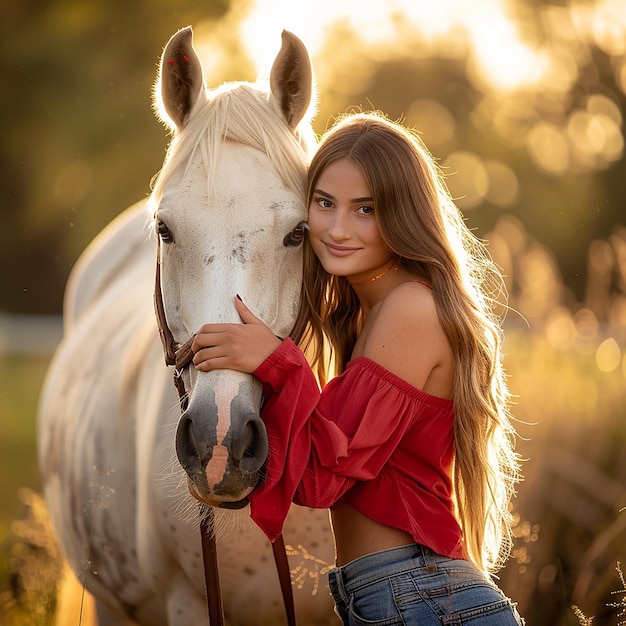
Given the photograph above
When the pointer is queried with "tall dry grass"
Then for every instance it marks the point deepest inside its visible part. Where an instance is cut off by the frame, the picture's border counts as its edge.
(567, 366)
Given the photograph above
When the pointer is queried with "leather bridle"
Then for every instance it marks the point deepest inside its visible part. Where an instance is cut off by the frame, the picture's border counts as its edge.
(180, 356)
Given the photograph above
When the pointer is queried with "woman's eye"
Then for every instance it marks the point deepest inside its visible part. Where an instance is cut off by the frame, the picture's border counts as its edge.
(164, 232)
(325, 203)
(365, 210)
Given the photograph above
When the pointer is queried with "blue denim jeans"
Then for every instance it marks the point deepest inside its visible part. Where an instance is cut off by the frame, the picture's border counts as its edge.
(411, 585)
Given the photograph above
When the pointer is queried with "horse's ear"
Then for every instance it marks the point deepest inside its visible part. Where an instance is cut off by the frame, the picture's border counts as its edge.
(291, 79)
(180, 81)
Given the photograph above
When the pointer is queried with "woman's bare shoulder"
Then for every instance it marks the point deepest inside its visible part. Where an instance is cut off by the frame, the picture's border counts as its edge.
(411, 296)
(411, 305)
(406, 336)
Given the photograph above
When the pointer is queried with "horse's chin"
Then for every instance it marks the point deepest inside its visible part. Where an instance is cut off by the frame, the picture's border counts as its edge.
(224, 504)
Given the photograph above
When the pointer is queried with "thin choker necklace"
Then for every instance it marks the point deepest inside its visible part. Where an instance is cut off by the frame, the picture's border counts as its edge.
(394, 264)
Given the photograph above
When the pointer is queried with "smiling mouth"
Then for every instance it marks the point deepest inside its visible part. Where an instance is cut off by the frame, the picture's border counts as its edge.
(339, 251)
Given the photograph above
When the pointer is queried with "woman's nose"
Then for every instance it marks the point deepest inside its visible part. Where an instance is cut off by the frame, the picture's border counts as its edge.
(340, 226)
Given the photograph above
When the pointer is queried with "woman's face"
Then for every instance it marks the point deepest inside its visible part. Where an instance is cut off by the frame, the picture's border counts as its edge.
(342, 227)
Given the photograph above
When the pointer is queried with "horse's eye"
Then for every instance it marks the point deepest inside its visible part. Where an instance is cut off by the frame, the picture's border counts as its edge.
(164, 232)
(296, 236)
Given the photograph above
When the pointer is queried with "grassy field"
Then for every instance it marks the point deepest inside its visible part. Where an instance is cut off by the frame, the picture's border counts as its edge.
(21, 378)
(572, 531)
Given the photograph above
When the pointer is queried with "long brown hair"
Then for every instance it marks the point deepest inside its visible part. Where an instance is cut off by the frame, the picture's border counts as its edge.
(422, 227)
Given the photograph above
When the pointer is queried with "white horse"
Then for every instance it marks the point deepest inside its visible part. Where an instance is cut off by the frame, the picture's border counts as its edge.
(230, 191)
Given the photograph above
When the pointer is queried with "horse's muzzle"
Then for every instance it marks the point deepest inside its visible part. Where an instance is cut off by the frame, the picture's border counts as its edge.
(221, 472)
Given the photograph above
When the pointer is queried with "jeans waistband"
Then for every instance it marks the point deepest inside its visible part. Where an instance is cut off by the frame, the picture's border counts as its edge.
(420, 556)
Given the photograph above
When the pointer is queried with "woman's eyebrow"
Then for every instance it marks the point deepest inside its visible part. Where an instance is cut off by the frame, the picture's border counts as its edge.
(323, 193)
(353, 201)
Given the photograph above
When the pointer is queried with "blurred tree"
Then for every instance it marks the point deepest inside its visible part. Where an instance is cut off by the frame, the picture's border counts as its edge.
(80, 142)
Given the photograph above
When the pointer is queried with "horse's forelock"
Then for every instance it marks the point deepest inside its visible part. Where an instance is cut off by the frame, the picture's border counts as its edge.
(241, 112)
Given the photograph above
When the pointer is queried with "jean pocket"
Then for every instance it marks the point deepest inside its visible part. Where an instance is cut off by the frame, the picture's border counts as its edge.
(374, 605)
(473, 603)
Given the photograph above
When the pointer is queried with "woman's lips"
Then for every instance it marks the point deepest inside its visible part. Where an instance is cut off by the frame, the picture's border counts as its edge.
(339, 250)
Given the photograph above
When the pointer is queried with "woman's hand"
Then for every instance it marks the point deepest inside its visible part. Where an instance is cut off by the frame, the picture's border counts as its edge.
(241, 347)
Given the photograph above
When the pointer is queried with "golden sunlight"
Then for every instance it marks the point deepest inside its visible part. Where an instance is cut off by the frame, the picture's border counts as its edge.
(524, 61)
(608, 355)
(497, 54)
(494, 36)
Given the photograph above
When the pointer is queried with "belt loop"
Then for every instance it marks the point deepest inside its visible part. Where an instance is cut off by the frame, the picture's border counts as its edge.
(420, 553)
(342, 585)
(427, 558)
(431, 560)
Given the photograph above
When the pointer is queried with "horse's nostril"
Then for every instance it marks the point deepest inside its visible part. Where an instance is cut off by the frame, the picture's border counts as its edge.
(186, 447)
(254, 447)
(250, 462)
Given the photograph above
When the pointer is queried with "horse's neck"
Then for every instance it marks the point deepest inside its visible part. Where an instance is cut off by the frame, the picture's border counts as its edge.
(115, 248)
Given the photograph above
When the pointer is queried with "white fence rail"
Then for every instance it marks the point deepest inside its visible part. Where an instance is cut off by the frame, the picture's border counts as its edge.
(29, 334)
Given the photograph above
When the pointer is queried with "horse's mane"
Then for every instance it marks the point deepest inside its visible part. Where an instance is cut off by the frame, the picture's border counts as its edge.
(245, 113)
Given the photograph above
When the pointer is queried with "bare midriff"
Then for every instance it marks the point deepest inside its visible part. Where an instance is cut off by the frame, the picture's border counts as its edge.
(357, 535)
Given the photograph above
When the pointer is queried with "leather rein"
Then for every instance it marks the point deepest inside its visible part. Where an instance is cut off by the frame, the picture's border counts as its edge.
(180, 356)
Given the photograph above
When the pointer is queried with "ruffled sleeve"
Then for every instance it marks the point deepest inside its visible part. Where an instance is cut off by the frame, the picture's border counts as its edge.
(321, 444)
(286, 416)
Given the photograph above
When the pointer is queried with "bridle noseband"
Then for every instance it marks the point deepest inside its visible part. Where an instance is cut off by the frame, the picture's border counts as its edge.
(181, 356)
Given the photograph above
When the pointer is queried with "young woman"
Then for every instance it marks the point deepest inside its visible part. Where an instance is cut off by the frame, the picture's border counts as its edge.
(410, 446)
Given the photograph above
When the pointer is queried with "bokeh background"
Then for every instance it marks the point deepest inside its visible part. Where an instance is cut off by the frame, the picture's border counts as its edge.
(521, 101)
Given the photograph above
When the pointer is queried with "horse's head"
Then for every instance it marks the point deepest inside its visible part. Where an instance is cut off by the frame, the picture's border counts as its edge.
(231, 190)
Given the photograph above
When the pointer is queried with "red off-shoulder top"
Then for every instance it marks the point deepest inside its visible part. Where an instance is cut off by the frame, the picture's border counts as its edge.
(369, 439)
